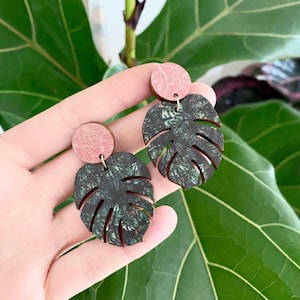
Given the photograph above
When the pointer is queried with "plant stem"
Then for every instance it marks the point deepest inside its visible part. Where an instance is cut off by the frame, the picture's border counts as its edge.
(129, 58)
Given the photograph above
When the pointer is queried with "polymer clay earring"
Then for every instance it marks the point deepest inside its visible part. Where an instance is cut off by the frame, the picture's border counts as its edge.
(182, 130)
(113, 191)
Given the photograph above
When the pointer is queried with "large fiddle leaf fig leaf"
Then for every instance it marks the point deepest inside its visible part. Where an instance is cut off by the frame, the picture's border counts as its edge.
(273, 129)
(236, 238)
(201, 34)
(46, 54)
(111, 197)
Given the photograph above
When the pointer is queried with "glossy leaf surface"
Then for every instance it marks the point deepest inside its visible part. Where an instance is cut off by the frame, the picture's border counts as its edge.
(208, 33)
(186, 143)
(112, 201)
(273, 129)
(46, 54)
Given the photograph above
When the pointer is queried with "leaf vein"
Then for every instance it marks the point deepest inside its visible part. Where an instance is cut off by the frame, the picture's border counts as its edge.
(249, 221)
(280, 225)
(197, 21)
(201, 30)
(266, 9)
(70, 42)
(33, 94)
(31, 20)
(40, 50)
(125, 283)
(166, 44)
(274, 127)
(252, 175)
(226, 4)
(181, 267)
(164, 273)
(10, 114)
(16, 48)
(197, 239)
(290, 187)
(255, 34)
(239, 276)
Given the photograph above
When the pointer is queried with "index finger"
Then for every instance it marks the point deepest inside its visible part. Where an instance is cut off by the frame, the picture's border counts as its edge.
(50, 132)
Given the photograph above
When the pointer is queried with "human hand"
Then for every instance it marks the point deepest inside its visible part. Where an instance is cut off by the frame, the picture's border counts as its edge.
(33, 239)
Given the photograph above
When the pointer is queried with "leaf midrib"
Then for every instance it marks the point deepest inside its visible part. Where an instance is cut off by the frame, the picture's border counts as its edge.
(225, 12)
(125, 283)
(187, 252)
(200, 30)
(286, 160)
(243, 217)
(198, 242)
(258, 227)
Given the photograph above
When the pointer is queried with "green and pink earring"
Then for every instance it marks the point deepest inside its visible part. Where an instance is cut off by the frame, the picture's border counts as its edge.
(182, 131)
(112, 190)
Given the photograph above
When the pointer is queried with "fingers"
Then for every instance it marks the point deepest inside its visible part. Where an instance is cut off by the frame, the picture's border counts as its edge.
(93, 261)
(50, 132)
(90, 262)
(57, 176)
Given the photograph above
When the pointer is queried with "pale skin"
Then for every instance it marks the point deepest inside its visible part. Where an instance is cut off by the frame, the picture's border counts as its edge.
(32, 238)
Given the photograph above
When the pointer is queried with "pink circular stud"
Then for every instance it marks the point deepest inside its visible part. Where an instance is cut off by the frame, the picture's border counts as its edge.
(91, 141)
(170, 81)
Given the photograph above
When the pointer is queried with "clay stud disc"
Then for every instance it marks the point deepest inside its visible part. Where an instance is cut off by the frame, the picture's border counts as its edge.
(170, 81)
(91, 140)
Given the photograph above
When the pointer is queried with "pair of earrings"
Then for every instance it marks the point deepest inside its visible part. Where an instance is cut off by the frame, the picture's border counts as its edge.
(114, 191)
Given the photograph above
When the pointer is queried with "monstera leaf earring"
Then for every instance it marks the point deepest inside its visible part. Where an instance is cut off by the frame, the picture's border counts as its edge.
(183, 130)
(113, 191)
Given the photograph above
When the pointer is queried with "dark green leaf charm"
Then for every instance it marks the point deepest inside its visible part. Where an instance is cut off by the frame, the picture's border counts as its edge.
(117, 201)
(186, 142)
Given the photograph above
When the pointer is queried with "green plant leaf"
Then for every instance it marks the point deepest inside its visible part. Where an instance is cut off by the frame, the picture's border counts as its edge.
(273, 129)
(202, 34)
(8, 120)
(237, 238)
(46, 54)
(114, 69)
(19, 105)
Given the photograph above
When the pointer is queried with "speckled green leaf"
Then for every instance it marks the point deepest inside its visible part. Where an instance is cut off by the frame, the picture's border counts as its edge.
(186, 143)
(112, 201)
